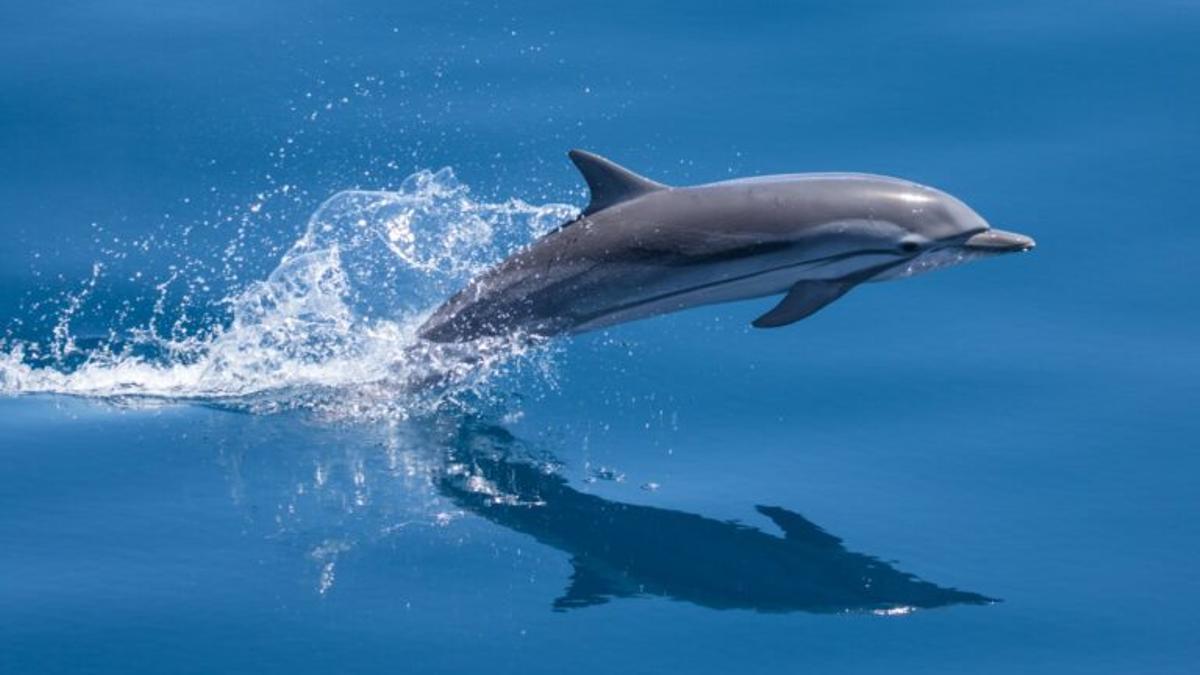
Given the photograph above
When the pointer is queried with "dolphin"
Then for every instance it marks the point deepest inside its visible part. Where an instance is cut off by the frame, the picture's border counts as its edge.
(642, 248)
(622, 550)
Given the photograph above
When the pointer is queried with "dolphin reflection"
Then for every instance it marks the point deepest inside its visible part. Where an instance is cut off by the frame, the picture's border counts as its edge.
(621, 550)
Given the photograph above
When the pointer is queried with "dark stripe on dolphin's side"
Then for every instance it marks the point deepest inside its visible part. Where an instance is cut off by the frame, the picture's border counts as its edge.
(816, 261)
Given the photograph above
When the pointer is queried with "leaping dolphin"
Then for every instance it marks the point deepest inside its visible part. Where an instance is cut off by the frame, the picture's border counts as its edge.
(641, 248)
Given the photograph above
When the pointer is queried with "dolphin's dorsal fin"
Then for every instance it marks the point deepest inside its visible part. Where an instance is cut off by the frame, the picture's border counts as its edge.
(799, 529)
(609, 182)
(803, 300)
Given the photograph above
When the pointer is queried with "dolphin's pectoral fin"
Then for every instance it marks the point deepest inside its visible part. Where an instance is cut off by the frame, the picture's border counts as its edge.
(798, 528)
(587, 588)
(609, 182)
(803, 300)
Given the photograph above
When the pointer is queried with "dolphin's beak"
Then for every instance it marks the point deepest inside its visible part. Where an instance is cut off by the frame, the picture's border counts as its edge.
(998, 241)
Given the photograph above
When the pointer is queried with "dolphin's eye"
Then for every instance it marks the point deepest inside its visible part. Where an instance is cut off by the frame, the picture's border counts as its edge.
(910, 246)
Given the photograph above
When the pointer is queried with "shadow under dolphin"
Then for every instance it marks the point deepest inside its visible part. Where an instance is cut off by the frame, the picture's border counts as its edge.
(621, 550)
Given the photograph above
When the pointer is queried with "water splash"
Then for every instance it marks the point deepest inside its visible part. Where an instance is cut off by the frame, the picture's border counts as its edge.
(331, 329)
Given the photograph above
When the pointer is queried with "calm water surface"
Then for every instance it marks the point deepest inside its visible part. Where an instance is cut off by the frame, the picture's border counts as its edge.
(992, 468)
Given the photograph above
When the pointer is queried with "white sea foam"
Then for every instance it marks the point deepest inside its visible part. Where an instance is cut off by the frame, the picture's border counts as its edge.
(331, 329)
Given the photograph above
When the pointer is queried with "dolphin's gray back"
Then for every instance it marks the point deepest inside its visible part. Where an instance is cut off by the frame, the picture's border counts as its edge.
(576, 276)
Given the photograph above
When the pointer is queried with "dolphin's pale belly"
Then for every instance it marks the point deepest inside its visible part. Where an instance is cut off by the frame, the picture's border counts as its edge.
(928, 262)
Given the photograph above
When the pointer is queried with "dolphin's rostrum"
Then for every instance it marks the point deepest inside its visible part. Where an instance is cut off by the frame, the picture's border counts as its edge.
(641, 249)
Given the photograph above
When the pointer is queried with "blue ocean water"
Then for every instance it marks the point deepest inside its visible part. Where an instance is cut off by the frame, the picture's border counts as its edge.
(221, 221)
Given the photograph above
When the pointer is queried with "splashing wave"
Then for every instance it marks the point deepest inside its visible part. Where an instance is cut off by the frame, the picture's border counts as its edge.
(331, 329)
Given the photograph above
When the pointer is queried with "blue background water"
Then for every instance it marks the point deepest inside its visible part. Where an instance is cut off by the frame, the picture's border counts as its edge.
(1021, 428)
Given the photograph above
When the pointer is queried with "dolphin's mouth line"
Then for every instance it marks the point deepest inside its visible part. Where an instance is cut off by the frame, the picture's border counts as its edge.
(827, 260)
